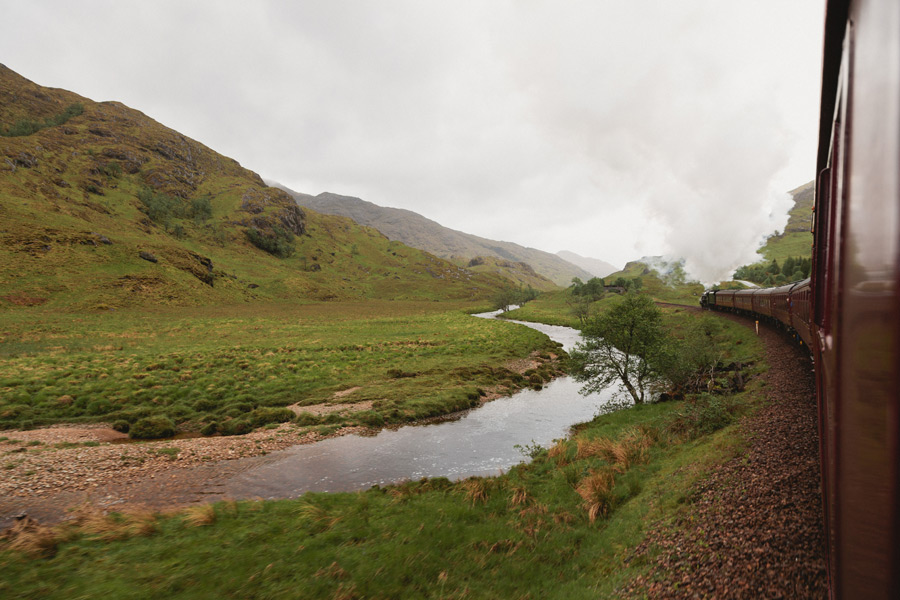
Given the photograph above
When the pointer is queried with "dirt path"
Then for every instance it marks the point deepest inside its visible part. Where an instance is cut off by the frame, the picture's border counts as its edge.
(754, 528)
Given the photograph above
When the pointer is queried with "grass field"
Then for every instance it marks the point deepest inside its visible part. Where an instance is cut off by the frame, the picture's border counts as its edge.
(563, 526)
(236, 364)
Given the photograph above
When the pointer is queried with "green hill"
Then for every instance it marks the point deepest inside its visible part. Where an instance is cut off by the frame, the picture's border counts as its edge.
(103, 207)
(796, 239)
(791, 248)
(419, 232)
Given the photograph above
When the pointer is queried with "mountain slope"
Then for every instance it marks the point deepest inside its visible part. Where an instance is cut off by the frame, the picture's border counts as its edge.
(796, 239)
(420, 232)
(597, 267)
(101, 206)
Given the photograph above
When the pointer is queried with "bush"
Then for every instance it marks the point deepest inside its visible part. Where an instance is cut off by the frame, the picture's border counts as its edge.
(99, 407)
(306, 418)
(279, 243)
(210, 429)
(205, 405)
(201, 209)
(24, 127)
(150, 428)
(122, 426)
(265, 415)
(370, 418)
(235, 427)
(702, 415)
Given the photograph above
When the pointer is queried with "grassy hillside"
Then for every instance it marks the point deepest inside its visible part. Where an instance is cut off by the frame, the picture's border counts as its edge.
(796, 240)
(419, 232)
(102, 207)
(665, 282)
(519, 273)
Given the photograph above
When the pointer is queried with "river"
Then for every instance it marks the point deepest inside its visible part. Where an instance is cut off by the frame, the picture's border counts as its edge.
(479, 442)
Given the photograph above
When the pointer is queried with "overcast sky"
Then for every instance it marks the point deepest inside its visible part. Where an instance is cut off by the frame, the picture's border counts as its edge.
(610, 128)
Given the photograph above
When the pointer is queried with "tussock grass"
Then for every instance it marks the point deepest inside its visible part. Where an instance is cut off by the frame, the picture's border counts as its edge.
(596, 490)
(231, 369)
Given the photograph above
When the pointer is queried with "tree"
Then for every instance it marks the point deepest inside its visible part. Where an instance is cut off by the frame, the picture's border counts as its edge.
(622, 344)
(580, 306)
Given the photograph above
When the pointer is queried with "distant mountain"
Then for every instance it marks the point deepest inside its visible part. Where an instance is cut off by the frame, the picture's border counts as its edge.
(420, 232)
(597, 267)
(103, 207)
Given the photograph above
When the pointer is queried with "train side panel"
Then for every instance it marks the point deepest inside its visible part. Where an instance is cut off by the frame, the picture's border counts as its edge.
(725, 299)
(743, 300)
(799, 304)
(762, 302)
(856, 309)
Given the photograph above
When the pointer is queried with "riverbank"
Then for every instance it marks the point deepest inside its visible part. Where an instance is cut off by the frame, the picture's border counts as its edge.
(567, 522)
(50, 470)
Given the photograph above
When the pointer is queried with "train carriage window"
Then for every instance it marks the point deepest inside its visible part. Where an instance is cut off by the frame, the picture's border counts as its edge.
(821, 240)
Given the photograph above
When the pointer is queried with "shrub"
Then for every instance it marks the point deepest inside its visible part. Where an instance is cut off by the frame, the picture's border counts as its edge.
(306, 418)
(279, 243)
(201, 209)
(24, 127)
(265, 415)
(235, 427)
(150, 428)
(99, 407)
(205, 405)
(370, 418)
(122, 426)
(210, 429)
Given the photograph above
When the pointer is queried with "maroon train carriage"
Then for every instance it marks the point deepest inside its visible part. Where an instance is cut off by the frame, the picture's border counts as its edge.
(762, 302)
(724, 299)
(781, 303)
(848, 313)
(856, 309)
(743, 300)
(799, 308)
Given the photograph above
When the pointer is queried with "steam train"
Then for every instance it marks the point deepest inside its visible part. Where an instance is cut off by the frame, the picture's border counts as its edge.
(848, 312)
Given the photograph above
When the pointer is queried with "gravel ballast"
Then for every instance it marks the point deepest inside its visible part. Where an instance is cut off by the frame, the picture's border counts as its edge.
(754, 529)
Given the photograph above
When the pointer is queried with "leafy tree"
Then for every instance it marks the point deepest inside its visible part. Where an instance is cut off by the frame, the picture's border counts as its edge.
(505, 298)
(690, 360)
(580, 306)
(624, 344)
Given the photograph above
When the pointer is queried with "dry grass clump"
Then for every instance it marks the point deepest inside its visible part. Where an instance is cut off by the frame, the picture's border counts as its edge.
(476, 490)
(29, 537)
(199, 515)
(596, 492)
(559, 452)
(632, 448)
(91, 520)
(519, 496)
(318, 516)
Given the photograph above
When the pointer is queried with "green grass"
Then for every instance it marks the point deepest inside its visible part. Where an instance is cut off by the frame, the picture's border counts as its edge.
(203, 365)
(528, 533)
(789, 244)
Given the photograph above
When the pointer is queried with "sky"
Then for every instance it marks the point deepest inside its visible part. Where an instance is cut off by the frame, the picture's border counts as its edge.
(615, 129)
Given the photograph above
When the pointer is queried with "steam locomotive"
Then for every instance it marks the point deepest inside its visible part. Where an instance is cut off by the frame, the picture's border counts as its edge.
(848, 312)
